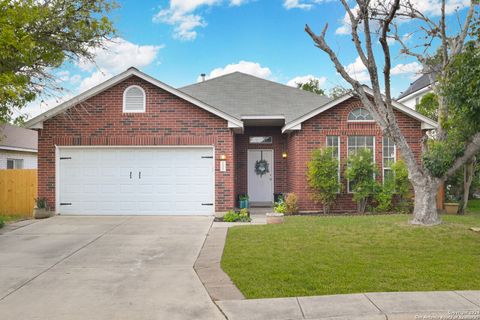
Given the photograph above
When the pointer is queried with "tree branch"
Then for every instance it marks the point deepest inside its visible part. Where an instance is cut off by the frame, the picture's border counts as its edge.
(471, 150)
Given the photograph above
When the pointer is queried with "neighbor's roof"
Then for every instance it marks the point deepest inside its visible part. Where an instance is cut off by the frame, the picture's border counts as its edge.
(242, 95)
(17, 139)
(417, 85)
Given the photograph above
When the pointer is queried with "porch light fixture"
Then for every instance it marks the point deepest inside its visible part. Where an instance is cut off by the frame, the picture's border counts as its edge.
(223, 157)
(284, 155)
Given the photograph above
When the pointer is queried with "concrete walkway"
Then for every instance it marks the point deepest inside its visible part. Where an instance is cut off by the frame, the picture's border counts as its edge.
(446, 305)
(104, 268)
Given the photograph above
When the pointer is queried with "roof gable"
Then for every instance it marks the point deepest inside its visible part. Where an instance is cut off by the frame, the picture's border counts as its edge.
(296, 124)
(37, 122)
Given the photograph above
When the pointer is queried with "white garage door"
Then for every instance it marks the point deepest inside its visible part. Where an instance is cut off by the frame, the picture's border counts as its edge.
(136, 181)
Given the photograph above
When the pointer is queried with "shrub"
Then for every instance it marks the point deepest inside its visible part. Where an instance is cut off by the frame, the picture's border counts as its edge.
(232, 216)
(291, 205)
(41, 203)
(2, 223)
(280, 206)
(361, 170)
(322, 176)
(399, 186)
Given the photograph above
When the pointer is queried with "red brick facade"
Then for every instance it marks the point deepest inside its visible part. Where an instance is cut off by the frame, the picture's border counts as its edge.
(333, 122)
(168, 120)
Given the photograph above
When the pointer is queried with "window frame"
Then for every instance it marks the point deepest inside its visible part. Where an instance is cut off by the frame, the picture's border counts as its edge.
(359, 121)
(144, 109)
(15, 163)
(338, 154)
(253, 137)
(383, 156)
(348, 155)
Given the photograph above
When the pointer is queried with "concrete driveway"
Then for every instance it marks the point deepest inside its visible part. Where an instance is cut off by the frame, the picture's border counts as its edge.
(104, 268)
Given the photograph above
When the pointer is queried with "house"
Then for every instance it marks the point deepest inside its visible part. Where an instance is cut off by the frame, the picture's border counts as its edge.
(134, 145)
(417, 89)
(18, 147)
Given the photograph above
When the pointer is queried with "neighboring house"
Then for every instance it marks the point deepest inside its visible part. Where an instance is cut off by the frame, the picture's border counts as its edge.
(417, 89)
(134, 145)
(18, 147)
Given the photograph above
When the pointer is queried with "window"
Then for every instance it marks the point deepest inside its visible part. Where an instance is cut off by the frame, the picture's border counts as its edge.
(14, 163)
(334, 143)
(360, 114)
(261, 140)
(134, 99)
(356, 143)
(389, 158)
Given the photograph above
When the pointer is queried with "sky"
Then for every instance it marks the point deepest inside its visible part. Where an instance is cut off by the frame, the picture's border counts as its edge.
(177, 40)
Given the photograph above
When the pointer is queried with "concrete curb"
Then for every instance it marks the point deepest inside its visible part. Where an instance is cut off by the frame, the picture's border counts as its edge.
(384, 305)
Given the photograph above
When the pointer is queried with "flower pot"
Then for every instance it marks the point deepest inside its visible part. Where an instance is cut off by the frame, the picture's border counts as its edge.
(41, 213)
(243, 204)
(451, 208)
(275, 218)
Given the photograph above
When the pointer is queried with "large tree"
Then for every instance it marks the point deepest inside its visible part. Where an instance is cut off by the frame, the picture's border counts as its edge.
(38, 36)
(372, 21)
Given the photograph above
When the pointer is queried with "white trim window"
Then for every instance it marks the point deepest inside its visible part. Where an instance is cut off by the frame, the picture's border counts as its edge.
(261, 140)
(360, 115)
(389, 157)
(134, 99)
(14, 163)
(356, 143)
(334, 143)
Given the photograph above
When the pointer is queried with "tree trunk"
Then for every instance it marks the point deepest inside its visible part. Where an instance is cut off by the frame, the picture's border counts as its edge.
(425, 211)
(468, 173)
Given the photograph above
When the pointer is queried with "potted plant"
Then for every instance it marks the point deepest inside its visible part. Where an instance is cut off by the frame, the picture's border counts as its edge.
(451, 204)
(41, 210)
(243, 201)
(278, 215)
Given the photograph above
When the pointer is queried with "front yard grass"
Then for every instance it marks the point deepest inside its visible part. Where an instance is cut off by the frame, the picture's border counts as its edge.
(11, 218)
(349, 254)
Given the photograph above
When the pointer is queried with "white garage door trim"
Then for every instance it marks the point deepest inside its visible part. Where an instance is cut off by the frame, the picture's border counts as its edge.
(57, 165)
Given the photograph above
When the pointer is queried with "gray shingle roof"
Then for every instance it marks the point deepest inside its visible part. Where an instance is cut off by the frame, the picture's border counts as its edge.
(17, 138)
(239, 94)
(416, 85)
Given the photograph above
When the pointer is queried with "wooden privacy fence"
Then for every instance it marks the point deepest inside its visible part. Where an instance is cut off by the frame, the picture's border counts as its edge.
(18, 190)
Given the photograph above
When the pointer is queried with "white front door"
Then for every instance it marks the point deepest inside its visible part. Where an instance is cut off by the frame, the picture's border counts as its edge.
(136, 181)
(260, 175)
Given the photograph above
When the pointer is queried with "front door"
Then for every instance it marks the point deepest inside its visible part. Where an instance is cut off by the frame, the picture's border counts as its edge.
(260, 176)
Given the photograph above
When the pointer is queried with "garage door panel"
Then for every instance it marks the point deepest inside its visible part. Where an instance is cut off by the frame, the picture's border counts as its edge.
(173, 180)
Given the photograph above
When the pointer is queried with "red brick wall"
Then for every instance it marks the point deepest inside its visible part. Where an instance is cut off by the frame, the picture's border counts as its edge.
(334, 122)
(279, 145)
(168, 120)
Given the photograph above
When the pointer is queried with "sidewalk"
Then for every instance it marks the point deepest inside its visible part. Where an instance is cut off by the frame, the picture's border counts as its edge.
(370, 306)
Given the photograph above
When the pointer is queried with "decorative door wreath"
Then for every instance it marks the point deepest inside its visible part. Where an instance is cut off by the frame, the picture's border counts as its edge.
(261, 166)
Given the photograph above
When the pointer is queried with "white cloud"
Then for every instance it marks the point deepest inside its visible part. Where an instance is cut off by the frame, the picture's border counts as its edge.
(181, 14)
(302, 4)
(428, 7)
(358, 70)
(303, 79)
(253, 68)
(408, 68)
(120, 54)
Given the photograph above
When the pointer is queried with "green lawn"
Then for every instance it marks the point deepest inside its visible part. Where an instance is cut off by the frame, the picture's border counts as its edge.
(330, 255)
(10, 218)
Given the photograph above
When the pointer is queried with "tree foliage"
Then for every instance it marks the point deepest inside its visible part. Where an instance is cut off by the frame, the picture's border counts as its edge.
(312, 85)
(38, 36)
(428, 106)
(322, 176)
(337, 91)
(361, 171)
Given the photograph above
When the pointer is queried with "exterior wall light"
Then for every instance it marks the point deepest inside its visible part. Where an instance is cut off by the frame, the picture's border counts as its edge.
(223, 157)
(284, 155)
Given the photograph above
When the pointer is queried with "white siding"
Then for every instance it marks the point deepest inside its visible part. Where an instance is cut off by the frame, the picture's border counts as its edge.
(29, 158)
